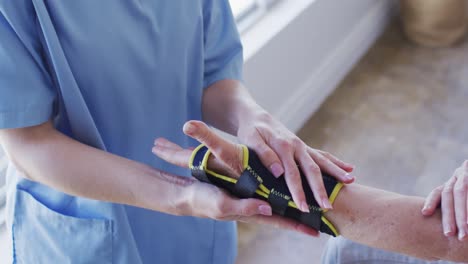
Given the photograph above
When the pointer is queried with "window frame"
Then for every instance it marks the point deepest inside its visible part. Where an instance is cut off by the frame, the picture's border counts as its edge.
(253, 13)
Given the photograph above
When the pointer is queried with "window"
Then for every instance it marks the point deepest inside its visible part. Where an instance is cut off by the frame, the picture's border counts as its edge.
(247, 12)
(241, 8)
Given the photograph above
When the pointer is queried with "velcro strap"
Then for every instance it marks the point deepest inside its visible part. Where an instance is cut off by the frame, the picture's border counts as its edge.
(312, 219)
(278, 203)
(197, 165)
(199, 173)
(246, 185)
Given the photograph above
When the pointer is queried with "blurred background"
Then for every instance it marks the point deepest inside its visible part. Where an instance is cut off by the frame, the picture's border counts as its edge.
(381, 84)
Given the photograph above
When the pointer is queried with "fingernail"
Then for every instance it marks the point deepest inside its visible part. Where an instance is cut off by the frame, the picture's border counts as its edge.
(326, 204)
(305, 207)
(461, 235)
(277, 169)
(348, 176)
(265, 210)
(447, 231)
(189, 128)
(425, 208)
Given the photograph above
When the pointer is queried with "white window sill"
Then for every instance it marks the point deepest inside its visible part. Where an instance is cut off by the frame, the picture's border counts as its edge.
(257, 31)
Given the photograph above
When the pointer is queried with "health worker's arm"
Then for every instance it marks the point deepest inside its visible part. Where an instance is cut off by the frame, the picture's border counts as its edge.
(229, 107)
(43, 154)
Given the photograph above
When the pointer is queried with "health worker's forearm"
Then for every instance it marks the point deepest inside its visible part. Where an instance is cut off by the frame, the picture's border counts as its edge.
(45, 155)
(227, 103)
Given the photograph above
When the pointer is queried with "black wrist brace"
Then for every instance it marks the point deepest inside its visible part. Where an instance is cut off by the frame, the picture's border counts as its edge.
(256, 181)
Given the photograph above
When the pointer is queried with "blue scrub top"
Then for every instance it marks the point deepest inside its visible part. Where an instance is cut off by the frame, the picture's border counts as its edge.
(113, 75)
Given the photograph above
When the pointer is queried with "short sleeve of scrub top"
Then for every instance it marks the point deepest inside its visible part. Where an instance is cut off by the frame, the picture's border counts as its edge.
(223, 51)
(26, 97)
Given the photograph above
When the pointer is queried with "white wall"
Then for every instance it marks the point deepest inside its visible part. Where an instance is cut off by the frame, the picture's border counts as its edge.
(299, 62)
(294, 72)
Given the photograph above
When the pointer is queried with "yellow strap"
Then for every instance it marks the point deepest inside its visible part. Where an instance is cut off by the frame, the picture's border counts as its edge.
(332, 198)
(192, 157)
(330, 225)
(263, 190)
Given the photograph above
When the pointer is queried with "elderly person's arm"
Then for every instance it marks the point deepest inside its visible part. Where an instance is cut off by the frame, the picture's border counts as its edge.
(393, 222)
(367, 215)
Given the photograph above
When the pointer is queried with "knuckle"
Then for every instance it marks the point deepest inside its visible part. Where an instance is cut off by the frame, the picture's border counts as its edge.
(459, 188)
(294, 186)
(266, 152)
(447, 190)
(296, 141)
(323, 160)
(449, 184)
(283, 144)
(257, 145)
(220, 210)
(314, 169)
(465, 180)
(246, 211)
(294, 173)
(217, 214)
(205, 136)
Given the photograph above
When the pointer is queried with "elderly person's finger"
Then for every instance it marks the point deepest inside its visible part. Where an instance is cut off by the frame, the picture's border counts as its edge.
(171, 152)
(432, 201)
(230, 208)
(448, 214)
(175, 154)
(460, 201)
(229, 153)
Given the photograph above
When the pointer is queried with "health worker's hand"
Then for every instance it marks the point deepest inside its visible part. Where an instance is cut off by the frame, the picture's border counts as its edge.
(208, 201)
(283, 152)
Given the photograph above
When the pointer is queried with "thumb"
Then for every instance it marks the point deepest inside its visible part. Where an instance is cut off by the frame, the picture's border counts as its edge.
(251, 207)
(227, 152)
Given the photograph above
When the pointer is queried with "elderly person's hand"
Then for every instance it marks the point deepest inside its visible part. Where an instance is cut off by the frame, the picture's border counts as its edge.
(453, 198)
(282, 152)
(206, 200)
